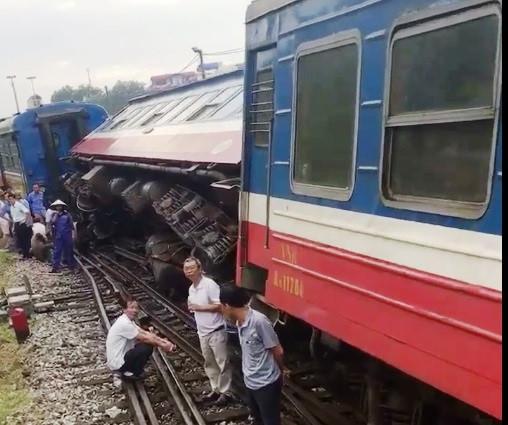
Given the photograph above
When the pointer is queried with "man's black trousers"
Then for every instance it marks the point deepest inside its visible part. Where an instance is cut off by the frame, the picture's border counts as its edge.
(264, 403)
(23, 236)
(136, 358)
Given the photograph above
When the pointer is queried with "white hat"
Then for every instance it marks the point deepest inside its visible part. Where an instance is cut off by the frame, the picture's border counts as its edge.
(56, 203)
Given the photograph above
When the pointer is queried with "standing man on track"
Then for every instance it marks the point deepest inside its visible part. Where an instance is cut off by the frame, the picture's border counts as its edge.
(262, 355)
(36, 202)
(21, 217)
(204, 302)
(63, 227)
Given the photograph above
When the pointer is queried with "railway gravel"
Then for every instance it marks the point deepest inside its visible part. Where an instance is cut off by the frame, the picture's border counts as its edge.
(64, 358)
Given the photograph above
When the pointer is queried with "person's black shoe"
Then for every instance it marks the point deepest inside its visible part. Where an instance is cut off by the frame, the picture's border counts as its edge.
(54, 271)
(223, 400)
(211, 396)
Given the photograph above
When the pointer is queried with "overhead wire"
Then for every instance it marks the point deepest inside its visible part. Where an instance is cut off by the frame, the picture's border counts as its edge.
(195, 57)
(225, 52)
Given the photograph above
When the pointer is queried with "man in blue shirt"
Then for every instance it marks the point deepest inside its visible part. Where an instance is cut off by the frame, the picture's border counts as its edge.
(262, 355)
(36, 202)
(62, 225)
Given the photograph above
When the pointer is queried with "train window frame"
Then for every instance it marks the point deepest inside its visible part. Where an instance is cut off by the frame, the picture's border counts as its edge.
(330, 42)
(119, 123)
(420, 23)
(10, 155)
(239, 89)
(148, 116)
(208, 110)
(145, 110)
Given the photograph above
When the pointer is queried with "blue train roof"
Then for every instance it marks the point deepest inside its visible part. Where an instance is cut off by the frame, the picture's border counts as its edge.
(14, 123)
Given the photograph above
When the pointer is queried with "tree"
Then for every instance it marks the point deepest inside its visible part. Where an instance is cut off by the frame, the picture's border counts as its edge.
(112, 100)
(79, 94)
(120, 94)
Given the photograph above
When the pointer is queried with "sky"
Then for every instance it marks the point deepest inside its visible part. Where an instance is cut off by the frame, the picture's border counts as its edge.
(57, 40)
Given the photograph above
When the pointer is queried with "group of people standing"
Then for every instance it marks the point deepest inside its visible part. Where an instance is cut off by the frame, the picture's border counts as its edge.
(128, 346)
(43, 233)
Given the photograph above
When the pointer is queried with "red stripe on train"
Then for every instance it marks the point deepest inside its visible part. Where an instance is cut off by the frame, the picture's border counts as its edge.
(444, 332)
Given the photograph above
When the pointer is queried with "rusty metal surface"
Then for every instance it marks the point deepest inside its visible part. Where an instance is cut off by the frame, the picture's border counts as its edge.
(198, 223)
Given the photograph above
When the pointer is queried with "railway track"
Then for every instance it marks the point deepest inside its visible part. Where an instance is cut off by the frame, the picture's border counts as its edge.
(181, 374)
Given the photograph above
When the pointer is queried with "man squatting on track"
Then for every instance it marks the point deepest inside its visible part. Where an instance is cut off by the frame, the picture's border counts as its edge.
(128, 347)
(204, 302)
(262, 355)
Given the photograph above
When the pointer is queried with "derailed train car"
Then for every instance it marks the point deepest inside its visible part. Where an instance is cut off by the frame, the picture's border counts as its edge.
(35, 143)
(166, 170)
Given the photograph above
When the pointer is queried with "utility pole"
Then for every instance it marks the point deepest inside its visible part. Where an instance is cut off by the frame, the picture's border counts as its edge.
(89, 84)
(200, 53)
(89, 79)
(31, 79)
(12, 77)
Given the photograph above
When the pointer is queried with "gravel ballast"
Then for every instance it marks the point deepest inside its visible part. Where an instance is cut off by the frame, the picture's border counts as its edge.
(64, 358)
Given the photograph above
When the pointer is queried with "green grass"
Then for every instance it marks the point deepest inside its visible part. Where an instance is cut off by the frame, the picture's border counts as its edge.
(6, 260)
(13, 394)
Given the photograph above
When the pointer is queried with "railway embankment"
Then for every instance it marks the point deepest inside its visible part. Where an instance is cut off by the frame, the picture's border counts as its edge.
(57, 376)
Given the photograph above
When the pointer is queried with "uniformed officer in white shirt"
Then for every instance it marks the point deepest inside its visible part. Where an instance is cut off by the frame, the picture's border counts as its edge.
(204, 302)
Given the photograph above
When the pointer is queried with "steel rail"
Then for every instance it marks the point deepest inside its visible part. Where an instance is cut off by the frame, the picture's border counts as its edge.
(175, 336)
(290, 393)
(198, 418)
(139, 417)
(131, 256)
(178, 312)
(173, 384)
(171, 387)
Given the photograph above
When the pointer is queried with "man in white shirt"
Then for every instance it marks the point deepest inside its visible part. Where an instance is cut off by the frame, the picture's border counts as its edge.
(38, 228)
(49, 215)
(204, 302)
(128, 347)
(21, 217)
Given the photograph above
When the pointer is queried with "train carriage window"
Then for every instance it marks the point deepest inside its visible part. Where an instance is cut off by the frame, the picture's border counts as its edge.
(9, 153)
(123, 118)
(203, 112)
(185, 103)
(148, 115)
(156, 117)
(134, 120)
(232, 108)
(214, 104)
(325, 117)
(441, 114)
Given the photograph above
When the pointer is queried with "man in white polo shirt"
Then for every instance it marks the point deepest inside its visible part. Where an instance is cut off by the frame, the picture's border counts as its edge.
(22, 219)
(129, 347)
(204, 302)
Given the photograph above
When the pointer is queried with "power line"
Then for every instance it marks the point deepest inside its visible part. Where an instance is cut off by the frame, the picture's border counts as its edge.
(189, 64)
(225, 52)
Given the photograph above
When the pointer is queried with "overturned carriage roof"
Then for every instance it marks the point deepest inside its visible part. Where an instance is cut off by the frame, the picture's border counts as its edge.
(199, 122)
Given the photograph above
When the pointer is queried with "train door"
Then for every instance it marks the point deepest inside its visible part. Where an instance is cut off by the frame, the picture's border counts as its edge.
(260, 112)
(256, 168)
(59, 133)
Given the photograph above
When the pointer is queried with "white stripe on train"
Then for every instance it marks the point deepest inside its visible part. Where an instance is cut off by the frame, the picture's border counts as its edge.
(464, 255)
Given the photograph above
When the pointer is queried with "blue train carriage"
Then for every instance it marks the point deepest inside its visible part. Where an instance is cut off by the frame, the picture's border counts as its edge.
(35, 143)
(372, 175)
